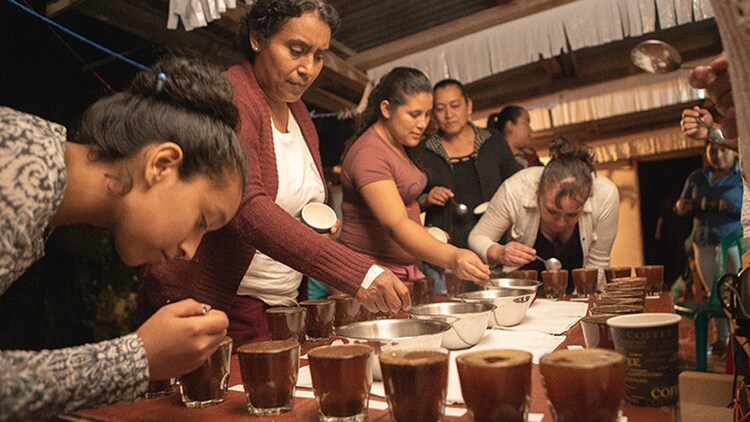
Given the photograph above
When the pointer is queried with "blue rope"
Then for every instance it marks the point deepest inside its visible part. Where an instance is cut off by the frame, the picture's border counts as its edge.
(86, 40)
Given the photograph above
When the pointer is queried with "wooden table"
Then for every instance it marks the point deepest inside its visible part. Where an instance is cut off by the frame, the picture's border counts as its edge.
(170, 408)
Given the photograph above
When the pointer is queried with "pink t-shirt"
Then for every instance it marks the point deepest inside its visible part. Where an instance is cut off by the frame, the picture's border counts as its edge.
(371, 160)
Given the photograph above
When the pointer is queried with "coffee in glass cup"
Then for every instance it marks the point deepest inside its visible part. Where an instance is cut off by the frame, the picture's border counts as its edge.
(584, 385)
(655, 276)
(347, 309)
(269, 375)
(341, 379)
(496, 384)
(616, 272)
(207, 385)
(287, 323)
(585, 280)
(555, 282)
(319, 320)
(454, 286)
(416, 383)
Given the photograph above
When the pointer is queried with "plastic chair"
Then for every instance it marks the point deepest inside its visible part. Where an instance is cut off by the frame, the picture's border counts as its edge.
(702, 312)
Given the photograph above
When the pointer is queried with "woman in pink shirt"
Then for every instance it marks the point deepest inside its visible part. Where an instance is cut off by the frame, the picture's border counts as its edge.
(381, 183)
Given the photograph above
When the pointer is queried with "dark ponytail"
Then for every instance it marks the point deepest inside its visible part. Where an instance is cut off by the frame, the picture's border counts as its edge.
(569, 170)
(509, 113)
(395, 87)
(190, 106)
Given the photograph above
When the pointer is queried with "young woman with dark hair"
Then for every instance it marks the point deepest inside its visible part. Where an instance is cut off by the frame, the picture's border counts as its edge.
(381, 183)
(157, 165)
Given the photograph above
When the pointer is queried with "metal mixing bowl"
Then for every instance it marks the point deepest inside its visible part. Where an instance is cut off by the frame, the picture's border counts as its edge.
(511, 305)
(391, 334)
(468, 321)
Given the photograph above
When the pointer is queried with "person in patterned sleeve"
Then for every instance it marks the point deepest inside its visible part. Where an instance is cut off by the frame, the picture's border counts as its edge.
(159, 166)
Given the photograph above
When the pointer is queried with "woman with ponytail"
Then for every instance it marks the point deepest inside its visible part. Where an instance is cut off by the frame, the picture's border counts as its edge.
(563, 210)
(381, 183)
(158, 166)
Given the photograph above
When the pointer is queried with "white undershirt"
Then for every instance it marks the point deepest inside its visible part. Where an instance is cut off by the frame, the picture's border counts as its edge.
(299, 184)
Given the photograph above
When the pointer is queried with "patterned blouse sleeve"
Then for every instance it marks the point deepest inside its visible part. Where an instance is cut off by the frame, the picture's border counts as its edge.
(38, 384)
(41, 384)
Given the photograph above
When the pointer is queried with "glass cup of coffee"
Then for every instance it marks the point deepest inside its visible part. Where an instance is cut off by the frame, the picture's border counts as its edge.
(269, 375)
(655, 276)
(584, 385)
(341, 379)
(159, 388)
(524, 274)
(347, 309)
(496, 384)
(207, 385)
(454, 286)
(555, 282)
(287, 323)
(319, 320)
(585, 280)
(616, 272)
(428, 286)
(416, 383)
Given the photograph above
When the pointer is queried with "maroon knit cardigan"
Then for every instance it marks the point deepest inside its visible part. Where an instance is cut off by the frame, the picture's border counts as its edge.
(222, 258)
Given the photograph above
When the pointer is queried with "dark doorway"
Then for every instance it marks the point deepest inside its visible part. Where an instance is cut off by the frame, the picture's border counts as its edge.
(664, 233)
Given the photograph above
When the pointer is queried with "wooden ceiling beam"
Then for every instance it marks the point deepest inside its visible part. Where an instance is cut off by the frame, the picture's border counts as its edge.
(325, 100)
(216, 44)
(698, 41)
(449, 31)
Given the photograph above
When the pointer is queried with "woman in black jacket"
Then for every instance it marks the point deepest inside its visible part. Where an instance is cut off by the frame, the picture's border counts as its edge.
(463, 162)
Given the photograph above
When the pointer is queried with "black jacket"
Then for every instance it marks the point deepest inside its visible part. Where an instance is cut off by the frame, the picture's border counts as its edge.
(494, 163)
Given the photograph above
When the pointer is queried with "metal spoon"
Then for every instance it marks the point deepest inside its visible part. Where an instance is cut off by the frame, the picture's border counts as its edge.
(461, 209)
(715, 134)
(551, 264)
(655, 56)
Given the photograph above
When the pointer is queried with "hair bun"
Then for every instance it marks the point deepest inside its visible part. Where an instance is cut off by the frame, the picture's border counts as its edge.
(562, 148)
(190, 83)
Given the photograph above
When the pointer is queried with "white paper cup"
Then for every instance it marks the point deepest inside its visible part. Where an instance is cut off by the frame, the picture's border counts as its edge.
(438, 234)
(320, 217)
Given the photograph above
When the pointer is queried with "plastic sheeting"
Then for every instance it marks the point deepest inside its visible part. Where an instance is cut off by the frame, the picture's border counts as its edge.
(581, 24)
(196, 13)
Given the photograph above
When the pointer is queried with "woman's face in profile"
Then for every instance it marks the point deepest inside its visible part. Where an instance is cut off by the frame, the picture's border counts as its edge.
(165, 217)
(289, 61)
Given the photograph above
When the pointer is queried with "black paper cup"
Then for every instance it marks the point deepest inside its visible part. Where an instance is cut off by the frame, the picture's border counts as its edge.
(649, 343)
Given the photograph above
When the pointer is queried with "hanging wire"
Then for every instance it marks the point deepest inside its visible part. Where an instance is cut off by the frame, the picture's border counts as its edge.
(107, 86)
(80, 37)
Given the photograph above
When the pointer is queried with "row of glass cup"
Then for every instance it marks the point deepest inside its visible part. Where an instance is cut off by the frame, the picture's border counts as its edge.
(495, 384)
(555, 282)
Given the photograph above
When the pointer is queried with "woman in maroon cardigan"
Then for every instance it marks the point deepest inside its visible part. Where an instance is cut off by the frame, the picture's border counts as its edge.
(284, 43)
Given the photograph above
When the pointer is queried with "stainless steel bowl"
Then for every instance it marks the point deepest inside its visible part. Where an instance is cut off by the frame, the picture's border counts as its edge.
(391, 334)
(468, 321)
(511, 305)
(512, 283)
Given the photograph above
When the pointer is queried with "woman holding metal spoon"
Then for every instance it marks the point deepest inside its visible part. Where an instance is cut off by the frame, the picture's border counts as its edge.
(563, 210)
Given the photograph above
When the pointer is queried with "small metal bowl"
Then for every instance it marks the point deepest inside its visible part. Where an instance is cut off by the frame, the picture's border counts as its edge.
(468, 321)
(512, 283)
(511, 305)
(392, 334)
